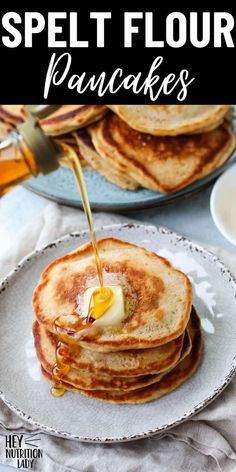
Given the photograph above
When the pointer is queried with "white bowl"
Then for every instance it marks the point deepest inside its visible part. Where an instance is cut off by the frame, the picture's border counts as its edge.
(223, 204)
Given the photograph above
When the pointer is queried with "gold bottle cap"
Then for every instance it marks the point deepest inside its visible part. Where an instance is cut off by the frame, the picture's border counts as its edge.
(45, 149)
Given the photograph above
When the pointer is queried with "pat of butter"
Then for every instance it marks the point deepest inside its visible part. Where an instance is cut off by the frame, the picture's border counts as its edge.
(115, 313)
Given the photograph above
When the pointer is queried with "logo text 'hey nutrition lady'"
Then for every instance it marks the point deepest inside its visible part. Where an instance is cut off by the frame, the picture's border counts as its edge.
(23, 449)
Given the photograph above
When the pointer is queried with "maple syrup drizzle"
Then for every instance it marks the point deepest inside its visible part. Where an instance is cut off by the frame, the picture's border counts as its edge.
(77, 169)
(21, 167)
(102, 298)
(65, 330)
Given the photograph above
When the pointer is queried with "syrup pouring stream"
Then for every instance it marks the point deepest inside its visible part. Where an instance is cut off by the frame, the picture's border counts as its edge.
(101, 299)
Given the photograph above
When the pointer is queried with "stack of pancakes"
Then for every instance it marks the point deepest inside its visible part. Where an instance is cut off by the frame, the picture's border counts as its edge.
(160, 147)
(151, 352)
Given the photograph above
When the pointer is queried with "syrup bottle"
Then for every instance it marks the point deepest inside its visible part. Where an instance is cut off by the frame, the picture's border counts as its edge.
(26, 152)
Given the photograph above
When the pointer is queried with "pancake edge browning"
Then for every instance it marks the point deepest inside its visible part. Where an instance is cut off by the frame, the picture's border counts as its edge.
(102, 134)
(154, 367)
(169, 382)
(72, 120)
(86, 381)
(131, 342)
(80, 116)
(204, 125)
(112, 173)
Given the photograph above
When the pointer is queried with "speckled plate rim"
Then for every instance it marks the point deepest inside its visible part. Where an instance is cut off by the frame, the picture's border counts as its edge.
(178, 238)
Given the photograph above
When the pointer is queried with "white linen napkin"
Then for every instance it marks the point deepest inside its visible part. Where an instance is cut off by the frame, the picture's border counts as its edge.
(207, 442)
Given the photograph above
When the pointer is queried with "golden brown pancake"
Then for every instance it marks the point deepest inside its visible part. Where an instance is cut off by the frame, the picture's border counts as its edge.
(131, 363)
(71, 117)
(69, 139)
(5, 128)
(115, 174)
(86, 380)
(164, 164)
(67, 118)
(12, 114)
(166, 384)
(171, 120)
(158, 296)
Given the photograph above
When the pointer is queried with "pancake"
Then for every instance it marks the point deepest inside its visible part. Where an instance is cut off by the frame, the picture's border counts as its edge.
(71, 117)
(171, 120)
(90, 381)
(67, 118)
(82, 379)
(115, 174)
(169, 382)
(5, 128)
(164, 164)
(12, 114)
(69, 139)
(158, 296)
(117, 364)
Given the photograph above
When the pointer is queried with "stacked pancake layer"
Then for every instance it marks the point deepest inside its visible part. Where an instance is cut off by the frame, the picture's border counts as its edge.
(152, 351)
(160, 147)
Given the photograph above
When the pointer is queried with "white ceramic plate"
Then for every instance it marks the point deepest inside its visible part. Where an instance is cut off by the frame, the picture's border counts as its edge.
(77, 417)
(223, 204)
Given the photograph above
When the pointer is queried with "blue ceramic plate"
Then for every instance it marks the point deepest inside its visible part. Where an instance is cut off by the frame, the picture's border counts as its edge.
(104, 196)
(61, 187)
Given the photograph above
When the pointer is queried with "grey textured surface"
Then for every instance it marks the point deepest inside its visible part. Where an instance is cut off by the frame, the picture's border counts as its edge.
(102, 422)
(5, 468)
(190, 217)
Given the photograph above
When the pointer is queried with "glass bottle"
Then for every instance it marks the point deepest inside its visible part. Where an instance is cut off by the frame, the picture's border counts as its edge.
(27, 151)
